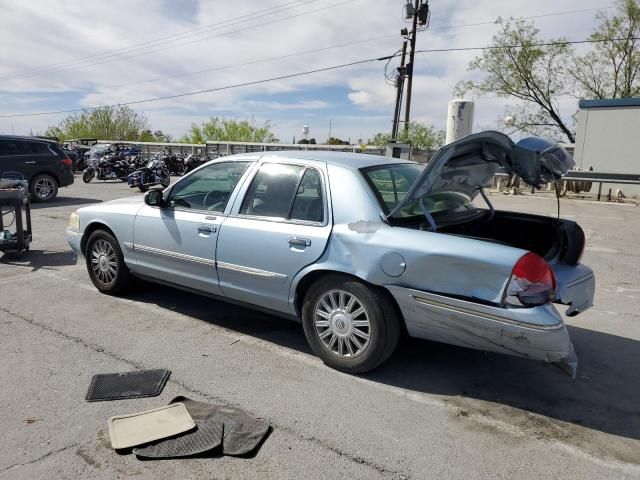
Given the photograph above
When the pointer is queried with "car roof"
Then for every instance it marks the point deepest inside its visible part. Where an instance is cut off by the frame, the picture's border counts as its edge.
(24, 137)
(353, 161)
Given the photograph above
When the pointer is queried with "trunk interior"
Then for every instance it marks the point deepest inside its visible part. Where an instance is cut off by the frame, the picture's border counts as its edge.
(556, 240)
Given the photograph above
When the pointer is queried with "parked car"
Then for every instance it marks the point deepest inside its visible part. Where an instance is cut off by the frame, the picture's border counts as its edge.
(359, 248)
(42, 162)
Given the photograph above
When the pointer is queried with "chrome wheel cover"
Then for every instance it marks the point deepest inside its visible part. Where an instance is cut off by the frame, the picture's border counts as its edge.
(44, 187)
(103, 261)
(342, 323)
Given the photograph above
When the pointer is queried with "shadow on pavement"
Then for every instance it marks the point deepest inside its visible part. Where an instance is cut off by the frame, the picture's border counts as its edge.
(603, 397)
(64, 202)
(37, 259)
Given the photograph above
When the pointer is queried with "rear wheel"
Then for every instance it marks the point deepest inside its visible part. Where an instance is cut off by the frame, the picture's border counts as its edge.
(105, 264)
(44, 188)
(351, 326)
(165, 178)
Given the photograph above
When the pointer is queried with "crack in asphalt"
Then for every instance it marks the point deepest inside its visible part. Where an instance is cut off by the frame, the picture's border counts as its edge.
(42, 457)
(183, 385)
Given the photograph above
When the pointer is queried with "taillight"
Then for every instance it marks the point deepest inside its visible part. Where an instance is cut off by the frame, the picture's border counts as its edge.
(532, 282)
(67, 161)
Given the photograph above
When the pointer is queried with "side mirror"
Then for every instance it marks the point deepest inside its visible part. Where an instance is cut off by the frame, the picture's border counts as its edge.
(154, 198)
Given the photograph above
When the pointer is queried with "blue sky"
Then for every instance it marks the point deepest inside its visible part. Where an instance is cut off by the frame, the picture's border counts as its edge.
(76, 54)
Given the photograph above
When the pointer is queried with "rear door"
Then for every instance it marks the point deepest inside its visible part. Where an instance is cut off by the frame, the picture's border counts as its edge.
(15, 157)
(280, 223)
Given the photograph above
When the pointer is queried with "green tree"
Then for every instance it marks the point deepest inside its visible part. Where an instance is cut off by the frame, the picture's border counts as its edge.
(336, 141)
(419, 135)
(223, 129)
(104, 123)
(158, 136)
(517, 67)
(612, 68)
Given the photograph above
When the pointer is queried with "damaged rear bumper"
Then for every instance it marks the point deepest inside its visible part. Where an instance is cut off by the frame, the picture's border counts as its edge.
(538, 333)
(576, 287)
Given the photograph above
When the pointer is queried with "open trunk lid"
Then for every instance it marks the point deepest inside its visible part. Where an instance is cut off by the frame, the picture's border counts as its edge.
(468, 164)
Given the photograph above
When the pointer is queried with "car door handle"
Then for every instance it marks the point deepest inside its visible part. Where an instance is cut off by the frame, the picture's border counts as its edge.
(206, 229)
(305, 242)
(30, 162)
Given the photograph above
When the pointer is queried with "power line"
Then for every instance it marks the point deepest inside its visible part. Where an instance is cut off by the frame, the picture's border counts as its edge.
(168, 47)
(110, 57)
(253, 62)
(306, 52)
(543, 44)
(317, 70)
(163, 38)
(198, 92)
(530, 17)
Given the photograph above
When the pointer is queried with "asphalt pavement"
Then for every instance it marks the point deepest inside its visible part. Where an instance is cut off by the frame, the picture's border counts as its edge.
(432, 412)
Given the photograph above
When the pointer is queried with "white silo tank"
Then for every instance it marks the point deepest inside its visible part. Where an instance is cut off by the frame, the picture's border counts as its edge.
(459, 119)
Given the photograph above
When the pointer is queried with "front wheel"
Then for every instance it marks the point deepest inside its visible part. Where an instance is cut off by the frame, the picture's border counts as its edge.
(351, 326)
(88, 175)
(105, 264)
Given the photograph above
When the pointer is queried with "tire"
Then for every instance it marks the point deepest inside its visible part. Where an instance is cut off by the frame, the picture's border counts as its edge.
(43, 188)
(105, 264)
(166, 180)
(345, 347)
(87, 176)
(143, 188)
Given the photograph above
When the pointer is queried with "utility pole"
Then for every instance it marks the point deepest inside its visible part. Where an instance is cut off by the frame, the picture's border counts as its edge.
(399, 90)
(407, 110)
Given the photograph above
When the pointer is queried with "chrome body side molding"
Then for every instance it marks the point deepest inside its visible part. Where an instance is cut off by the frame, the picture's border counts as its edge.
(250, 271)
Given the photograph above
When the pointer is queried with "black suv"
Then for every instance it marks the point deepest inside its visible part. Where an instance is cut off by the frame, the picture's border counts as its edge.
(42, 162)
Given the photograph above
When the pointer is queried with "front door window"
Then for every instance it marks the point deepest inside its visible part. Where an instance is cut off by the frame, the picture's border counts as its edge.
(209, 188)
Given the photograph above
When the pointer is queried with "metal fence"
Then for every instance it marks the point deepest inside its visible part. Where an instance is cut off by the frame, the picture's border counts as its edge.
(216, 149)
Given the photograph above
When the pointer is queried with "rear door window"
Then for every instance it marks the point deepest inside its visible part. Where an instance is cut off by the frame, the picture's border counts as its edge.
(289, 192)
(39, 148)
(307, 205)
(12, 147)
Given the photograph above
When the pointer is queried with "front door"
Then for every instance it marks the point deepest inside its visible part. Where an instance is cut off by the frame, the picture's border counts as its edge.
(177, 243)
(280, 225)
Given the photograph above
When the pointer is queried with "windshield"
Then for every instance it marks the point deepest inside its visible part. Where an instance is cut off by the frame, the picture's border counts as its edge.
(391, 183)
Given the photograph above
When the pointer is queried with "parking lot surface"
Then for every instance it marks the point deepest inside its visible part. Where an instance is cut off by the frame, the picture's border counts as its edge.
(432, 411)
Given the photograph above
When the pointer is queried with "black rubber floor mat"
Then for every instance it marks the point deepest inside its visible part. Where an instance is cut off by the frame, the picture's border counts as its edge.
(119, 386)
(235, 430)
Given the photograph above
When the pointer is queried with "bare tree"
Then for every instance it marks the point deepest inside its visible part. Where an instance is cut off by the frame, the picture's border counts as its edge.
(612, 68)
(518, 67)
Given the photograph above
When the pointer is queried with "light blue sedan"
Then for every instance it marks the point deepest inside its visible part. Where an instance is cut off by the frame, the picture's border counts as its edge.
(359, 248)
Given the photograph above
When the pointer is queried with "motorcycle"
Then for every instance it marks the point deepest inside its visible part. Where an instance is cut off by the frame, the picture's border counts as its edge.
(192, 162)
(154, 173)
(175, 164)
(109, 167)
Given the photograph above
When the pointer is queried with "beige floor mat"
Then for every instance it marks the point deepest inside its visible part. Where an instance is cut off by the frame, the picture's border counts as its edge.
(144, 427)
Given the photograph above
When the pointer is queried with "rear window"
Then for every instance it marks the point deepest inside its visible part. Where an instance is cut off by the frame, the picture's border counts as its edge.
(390, 183)
(39, 148)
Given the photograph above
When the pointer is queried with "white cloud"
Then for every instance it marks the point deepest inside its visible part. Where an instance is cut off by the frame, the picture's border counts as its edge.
(55, 33)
